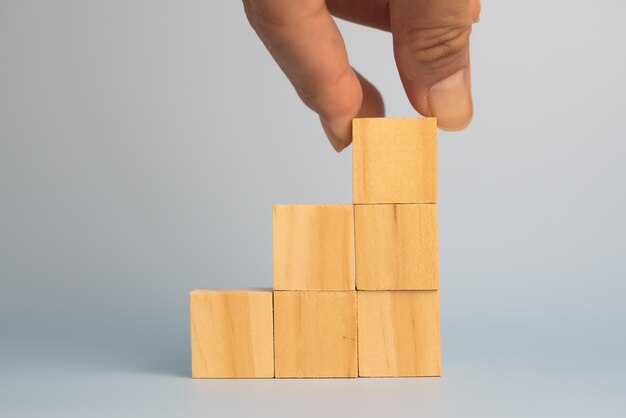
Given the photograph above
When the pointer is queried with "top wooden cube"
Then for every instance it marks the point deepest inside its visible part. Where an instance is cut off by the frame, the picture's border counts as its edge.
(394, 160)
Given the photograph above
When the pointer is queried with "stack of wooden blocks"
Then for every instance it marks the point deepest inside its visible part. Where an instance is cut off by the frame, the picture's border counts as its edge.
(355, 286)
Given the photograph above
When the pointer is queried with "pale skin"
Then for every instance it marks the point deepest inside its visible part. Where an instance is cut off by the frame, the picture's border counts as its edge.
(430, 43)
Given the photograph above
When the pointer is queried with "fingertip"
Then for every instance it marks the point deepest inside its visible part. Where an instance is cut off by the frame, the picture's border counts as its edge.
(338, 138)
(454, 125)
(450, 101)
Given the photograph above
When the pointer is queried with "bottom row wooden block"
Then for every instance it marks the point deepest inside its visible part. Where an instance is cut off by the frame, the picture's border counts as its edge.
(399, 333)
(232, 333)
(315, 333)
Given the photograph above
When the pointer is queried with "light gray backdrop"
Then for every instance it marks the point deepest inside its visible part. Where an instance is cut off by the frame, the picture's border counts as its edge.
(143, 143)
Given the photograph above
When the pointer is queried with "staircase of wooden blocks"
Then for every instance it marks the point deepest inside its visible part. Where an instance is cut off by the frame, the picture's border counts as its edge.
(355, 286)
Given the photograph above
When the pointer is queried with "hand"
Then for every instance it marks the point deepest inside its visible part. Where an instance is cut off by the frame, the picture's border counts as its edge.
(431, 47)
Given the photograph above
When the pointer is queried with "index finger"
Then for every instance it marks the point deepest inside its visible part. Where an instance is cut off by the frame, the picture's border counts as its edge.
(305, 42)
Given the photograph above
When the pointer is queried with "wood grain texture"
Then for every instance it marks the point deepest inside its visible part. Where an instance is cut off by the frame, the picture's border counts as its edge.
(315, 333)
(399, 333)
(313, 247)
(396, 247)
(394, 160)
(232, 333)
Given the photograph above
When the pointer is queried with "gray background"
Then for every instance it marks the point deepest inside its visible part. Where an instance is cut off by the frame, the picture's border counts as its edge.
(143, 143)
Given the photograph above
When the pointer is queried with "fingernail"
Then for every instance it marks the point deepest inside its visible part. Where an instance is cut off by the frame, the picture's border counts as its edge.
(475, 8)
(450, 101)
(334, 136)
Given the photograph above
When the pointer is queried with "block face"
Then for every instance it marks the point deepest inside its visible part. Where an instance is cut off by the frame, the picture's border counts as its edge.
(394, 160)
(313, 247)
(315, 333)
(399, 333)
(232, 333)
(396, 247)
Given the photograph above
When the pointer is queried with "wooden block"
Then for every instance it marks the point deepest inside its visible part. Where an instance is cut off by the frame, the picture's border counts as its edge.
(396, 247)
(313, 247)
(399, 333)
(315, 333)
(394, 160)
(232, 333)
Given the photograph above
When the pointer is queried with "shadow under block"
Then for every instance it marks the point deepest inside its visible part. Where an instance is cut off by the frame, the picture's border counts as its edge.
(394, 160)
(315, 333)
(232, 333)
(313, 247)
(399, 333)
(396, 247)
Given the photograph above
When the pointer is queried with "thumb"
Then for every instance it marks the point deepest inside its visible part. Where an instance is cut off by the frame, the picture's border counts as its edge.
(431, 46)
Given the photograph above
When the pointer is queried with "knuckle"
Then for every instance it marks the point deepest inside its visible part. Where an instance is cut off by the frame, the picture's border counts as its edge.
(335, 96)
(259, 19)
(264, 17)
(434, 48)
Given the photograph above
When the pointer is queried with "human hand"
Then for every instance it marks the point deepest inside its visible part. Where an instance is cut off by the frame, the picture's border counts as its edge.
(431, 47)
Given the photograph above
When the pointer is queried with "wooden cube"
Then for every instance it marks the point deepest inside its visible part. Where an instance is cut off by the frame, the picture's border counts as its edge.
(232, 333)
(394, 160)
(399, 333)
(315, 333)
(313, 247)
(396, 247)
